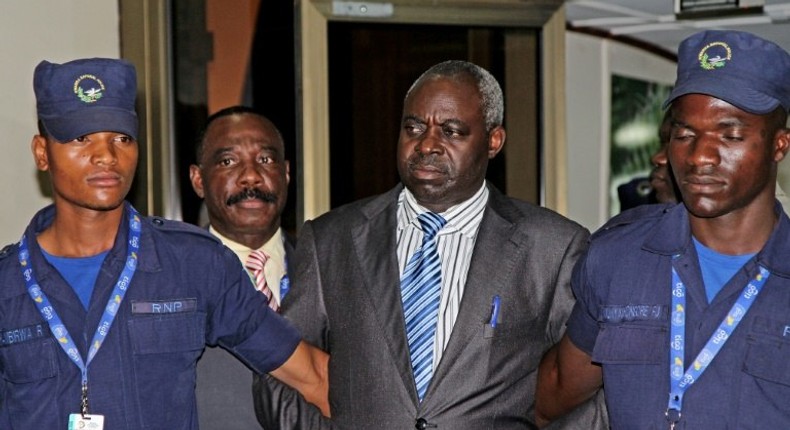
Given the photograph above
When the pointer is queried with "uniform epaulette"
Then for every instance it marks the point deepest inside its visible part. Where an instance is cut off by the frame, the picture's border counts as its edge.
(7, 250)
(167, 225)
(637, 214)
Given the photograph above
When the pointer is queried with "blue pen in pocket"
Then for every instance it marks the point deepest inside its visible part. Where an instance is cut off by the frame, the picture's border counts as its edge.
(495, 303)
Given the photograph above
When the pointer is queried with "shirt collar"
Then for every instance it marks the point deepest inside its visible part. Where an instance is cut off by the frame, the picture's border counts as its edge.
(274, 247)
(148, 257)
(464, 217)
(672, 235)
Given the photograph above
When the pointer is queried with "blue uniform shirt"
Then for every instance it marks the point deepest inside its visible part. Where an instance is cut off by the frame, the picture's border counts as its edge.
(188, 291)
(621, 318)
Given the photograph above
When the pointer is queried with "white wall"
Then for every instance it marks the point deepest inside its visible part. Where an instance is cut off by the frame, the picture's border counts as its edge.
(35, 30)
(590, 62)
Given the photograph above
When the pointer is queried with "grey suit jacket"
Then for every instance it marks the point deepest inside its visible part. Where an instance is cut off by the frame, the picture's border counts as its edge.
(224, 397)
(347, 300)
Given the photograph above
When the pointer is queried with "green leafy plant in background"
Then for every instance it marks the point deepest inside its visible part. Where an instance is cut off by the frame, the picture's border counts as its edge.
(635, 117)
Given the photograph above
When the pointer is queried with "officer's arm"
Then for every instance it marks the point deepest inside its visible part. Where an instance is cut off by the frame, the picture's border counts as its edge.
(307, 371)
(566, 378)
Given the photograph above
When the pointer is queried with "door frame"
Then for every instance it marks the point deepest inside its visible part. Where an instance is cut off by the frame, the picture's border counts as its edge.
(145, 28)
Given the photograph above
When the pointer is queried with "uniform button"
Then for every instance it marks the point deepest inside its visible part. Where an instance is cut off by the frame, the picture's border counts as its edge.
(158, 221)
(423, 424)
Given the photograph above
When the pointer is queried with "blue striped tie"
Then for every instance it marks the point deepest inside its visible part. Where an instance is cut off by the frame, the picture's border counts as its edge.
(420, 289)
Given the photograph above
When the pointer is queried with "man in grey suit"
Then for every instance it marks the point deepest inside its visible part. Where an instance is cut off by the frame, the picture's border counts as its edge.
(503, 289)
(242, 175)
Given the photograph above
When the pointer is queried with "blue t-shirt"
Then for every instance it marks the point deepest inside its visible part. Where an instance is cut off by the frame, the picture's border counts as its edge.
(717, 269)
(79, 272)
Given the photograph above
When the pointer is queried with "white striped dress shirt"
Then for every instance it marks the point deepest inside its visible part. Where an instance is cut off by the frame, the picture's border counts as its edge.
(455, 242)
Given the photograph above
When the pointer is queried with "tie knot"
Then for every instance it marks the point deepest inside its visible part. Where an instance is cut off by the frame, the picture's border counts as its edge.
(257, 260)
(431, 224)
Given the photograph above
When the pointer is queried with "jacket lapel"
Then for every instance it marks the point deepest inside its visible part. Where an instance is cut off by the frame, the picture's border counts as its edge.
(498, 245)
(375, 245)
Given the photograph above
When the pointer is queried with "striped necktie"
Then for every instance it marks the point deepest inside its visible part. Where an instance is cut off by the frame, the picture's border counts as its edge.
(255, 263)
(421, 291)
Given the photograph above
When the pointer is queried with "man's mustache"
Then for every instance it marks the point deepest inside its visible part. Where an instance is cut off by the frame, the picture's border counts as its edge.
(420, 161)
(252, 193)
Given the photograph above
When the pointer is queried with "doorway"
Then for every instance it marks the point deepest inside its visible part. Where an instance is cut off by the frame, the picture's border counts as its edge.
(533, 69)
(371, 66)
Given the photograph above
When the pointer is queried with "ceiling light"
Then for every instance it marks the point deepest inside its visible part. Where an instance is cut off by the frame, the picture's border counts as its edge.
(695, 9)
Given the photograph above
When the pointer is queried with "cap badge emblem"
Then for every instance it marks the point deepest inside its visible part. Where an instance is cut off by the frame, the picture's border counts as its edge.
(714, 55)
(88, 88)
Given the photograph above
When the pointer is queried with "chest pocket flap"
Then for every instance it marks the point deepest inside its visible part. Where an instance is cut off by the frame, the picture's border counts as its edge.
(168, 333)
(29, 361)
(630, 344)
(768, 356)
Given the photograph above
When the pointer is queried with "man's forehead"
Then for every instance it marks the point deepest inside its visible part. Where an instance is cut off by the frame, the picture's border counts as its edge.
(236, 133)
(241, 121)
(688, 105)
(240, 144)
(434, 84)
(449, 94)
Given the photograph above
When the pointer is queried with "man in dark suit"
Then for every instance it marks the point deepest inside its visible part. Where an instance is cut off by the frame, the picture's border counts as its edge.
(242, 175)
(500, 268)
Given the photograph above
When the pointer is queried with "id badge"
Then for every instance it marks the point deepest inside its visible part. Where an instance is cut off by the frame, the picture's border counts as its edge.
(87, 422)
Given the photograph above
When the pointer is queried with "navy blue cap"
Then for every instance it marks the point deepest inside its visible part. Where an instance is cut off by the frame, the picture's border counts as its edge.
(86, 96)
(748, 72)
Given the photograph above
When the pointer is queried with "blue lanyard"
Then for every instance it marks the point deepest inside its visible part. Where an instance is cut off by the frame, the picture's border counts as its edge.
(680, 380)
(57, 327)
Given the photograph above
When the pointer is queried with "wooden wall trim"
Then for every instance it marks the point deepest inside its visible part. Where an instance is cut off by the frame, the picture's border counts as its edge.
(312, 113)
(555, 194)
(145, 41)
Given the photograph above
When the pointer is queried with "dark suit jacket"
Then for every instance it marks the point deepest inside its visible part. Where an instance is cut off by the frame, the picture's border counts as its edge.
(347, 300)
(224, 398)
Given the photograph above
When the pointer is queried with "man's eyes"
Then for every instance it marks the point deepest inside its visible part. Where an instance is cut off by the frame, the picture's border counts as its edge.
(413, 129)
(228, 161)
(451, 132)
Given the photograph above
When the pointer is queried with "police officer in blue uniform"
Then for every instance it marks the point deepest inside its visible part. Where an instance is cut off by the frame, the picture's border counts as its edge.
(104, 312)
(683, 311)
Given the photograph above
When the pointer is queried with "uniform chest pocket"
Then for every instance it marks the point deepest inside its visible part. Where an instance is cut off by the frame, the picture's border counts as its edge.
(768, 356)
(765, 381)
(29, 361)
(178, 332)
(630, 344)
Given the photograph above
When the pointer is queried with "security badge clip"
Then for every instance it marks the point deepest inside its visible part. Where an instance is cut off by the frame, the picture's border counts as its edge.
(673, 416)
(84, 420)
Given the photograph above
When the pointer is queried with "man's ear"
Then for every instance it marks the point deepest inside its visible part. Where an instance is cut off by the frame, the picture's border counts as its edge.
(781, 144)
(496, 140)
(287, 172)
(197, 180)
(39, 148)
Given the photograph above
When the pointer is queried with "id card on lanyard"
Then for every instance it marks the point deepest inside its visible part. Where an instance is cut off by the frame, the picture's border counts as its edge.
(83, 419)
(679, 379)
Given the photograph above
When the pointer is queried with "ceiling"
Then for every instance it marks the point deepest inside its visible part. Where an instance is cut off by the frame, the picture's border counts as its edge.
(653, 22)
